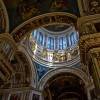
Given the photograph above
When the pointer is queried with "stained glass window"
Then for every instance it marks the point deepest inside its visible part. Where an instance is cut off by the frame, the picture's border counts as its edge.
(55, 42)
(62, 43)
(40, 38)
(50, 43)
(72, 38)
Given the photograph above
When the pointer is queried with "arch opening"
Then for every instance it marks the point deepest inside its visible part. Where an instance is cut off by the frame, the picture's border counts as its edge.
(64, 86)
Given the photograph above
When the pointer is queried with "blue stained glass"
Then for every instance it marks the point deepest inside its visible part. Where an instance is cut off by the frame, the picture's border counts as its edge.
(62, 43)
(44, 38)
(53, 42)
(72, 38)
(56, 43)
(69, 42)
(76, 37)
(37, 37)
(34, 33)
(50, 43)
(40, 38)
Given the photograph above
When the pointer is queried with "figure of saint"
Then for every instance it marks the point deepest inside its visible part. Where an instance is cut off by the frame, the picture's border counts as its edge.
(27, 9)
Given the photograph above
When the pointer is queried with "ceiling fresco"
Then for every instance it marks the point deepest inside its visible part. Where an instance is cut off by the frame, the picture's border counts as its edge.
(22, 10)
(41, 70)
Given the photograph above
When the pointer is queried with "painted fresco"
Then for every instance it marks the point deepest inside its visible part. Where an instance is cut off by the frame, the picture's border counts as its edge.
(22, 10)
(41, 70)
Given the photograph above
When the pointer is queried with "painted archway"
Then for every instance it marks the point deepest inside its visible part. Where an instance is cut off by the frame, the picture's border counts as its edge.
(77, 72)
(74, 71)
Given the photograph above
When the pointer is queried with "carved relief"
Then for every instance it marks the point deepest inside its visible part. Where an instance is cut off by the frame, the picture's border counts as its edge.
(88, 24)
(90, 7)
(88, 42)
(94, 6)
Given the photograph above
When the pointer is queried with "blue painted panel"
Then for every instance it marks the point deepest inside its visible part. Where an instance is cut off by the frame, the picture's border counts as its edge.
(41, 70)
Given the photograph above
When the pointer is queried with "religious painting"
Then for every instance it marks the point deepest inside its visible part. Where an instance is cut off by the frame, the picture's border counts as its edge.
(22, 10)
(70, 6)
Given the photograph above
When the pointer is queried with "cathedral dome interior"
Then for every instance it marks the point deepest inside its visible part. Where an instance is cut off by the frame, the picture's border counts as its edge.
(53, 44)
(49, 49)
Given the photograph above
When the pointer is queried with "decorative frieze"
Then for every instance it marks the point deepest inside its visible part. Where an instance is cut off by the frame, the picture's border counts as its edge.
(42, 20)
(88, 24)
(86, 43)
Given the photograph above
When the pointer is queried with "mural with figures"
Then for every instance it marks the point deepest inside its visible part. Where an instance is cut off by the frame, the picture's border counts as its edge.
(22, 10)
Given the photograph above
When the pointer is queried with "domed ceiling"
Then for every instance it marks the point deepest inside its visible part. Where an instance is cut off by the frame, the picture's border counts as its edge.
(57, 28)
(49, 46)
(22, 10)
(52, 36)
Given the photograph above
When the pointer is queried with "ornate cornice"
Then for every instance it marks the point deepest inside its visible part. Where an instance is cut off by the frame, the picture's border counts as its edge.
(88, 42)
(86, 25)
(95, 52)
(42, 20)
